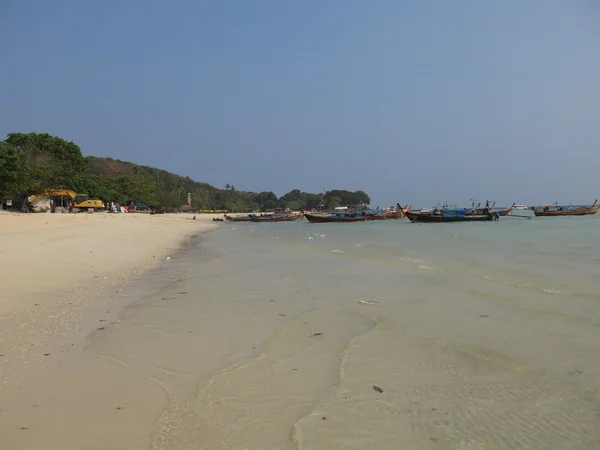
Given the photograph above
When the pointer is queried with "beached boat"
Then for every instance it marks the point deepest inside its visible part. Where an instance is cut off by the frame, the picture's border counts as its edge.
(556, 210)
(473, 215)
(286, 217)
(245, 218)
(339, 217)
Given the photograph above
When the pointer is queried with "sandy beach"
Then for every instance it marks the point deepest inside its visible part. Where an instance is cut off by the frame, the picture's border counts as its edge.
(42, 253)
(56, 270)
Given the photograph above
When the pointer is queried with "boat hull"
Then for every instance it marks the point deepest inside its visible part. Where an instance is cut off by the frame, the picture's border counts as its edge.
(237, 219)
(378, 216)
(448, 218)
(567, 212)
(506, 212)
(329, 219)
(288, 218)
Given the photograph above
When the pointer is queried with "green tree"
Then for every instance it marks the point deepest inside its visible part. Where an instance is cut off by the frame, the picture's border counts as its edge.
(265, 200)
(64, 152)
(348, 198)
(134, 188)
(10, 169)
(333, 202)
(47, 161)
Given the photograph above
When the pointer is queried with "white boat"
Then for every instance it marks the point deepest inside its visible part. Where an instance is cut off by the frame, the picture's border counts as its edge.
(521, 207)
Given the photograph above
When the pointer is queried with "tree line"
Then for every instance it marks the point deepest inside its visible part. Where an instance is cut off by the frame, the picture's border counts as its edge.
(31, 163)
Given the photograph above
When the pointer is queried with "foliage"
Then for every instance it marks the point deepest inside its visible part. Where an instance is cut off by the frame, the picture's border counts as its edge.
(32, 162)
(10, 168)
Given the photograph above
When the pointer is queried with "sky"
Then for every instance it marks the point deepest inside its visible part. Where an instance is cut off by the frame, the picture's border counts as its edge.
(414, 101)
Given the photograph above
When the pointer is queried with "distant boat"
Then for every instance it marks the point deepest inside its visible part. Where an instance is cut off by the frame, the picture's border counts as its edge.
(454, 215)
(377, 214)
(399, 213)
(337, 216)
(394, 212)
(244, 218)
(556, 210)
(285, 217)
(506, 212)
(449, 217)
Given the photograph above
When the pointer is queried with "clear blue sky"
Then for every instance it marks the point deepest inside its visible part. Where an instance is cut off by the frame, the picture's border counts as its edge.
(413, 101)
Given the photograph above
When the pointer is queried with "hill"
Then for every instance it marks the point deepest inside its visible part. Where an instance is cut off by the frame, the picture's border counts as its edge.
(32, 162)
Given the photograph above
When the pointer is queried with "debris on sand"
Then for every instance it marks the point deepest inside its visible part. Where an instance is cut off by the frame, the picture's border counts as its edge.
(378, 389)
(369, 302)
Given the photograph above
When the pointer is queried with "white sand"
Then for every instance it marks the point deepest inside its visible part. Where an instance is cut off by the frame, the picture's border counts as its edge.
(56, 269)
(44, 253)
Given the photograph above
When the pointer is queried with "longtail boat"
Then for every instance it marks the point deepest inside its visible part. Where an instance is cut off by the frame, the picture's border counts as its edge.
(506, 212)
(377, 215)
(246, 218)
(555, 210)
(399, 212)
(440, 215)
(450, 217)
(396, 212)
(339, 217)
(286, 217)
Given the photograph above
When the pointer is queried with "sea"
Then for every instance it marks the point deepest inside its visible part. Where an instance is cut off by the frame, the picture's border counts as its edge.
(375, 335)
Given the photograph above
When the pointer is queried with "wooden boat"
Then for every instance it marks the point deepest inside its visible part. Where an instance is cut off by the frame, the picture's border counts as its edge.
(347, 216)
(447, 216)
(553, 211)
(379, 215)
(238, 218)
(506, 212)
(396, 213)
(401, 212)
(277, 218)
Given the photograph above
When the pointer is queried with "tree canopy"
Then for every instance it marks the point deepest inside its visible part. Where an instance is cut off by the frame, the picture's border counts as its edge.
(31, 163)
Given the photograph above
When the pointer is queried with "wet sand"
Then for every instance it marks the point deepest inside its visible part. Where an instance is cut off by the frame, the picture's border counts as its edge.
(254, 337)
